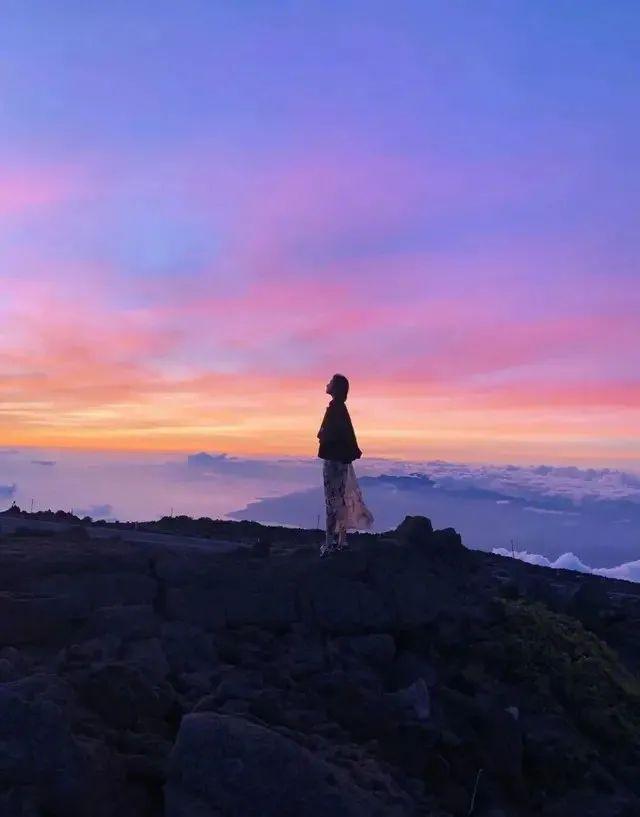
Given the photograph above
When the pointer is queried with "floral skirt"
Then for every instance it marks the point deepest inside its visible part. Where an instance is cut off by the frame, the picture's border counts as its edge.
(345, 506)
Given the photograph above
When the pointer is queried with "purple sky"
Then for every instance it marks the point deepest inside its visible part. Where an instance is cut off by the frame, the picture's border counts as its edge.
(207, 208)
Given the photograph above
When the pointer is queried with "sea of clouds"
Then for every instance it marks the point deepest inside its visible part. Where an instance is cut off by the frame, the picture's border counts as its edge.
(578, 518)
(630, 571)
(532, 481)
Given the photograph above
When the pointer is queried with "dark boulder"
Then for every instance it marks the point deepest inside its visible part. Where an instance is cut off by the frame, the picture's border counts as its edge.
(447, 539)
(124, 621)
(27, 619)
(415, 530)
(224, 765)
(375, 649)
(418, 532)
(42, 770)
(409, 667)
(124, 698)
(188, 648)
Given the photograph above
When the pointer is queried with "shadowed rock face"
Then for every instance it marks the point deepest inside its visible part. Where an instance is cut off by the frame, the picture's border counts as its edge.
(229, 765)
(397, 678)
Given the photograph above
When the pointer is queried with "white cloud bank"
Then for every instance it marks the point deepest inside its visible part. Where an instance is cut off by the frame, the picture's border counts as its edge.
(569, 561)
(533, 482)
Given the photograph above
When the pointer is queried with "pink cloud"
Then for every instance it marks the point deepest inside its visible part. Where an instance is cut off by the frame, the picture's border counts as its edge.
(60, 347)
(590, 394)
(481, 331)
(27, 190)
(450, 338)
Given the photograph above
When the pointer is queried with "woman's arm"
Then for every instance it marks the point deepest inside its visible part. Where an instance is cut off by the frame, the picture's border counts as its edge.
(329, 430)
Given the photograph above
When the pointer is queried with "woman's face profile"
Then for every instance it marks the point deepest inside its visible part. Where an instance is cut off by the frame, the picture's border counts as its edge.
(330, 386)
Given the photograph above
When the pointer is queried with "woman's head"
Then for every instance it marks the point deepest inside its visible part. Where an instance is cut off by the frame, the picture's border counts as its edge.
(338, 387)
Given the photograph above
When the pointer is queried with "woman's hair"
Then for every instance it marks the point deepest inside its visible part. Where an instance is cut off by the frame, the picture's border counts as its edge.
(340, 386)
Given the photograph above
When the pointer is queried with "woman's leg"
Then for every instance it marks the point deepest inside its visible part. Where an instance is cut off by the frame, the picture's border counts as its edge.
(335, 486)
(330, 535)
(331, 515)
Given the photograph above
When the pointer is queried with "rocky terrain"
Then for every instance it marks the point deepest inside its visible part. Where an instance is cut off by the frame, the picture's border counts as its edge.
(406, 676)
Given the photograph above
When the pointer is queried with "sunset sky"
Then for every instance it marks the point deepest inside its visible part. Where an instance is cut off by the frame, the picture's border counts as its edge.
(207, 208)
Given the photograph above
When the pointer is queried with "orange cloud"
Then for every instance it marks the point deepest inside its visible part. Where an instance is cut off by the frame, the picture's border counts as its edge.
(244, 372)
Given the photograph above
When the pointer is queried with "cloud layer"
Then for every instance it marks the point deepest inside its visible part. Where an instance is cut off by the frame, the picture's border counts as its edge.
(630, 571)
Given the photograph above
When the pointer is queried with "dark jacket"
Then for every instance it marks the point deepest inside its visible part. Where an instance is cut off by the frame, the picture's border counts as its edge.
(336, 435)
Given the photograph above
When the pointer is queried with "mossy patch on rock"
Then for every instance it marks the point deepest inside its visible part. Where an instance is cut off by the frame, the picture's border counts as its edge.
(585, 674)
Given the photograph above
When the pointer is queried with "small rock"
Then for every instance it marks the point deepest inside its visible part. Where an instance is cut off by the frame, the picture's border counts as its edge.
(188, 648)
(7, 671)
(416, 698)
(377, 649)
(88, 653)
(123, 697)
(409, 667)
(124, 621)
(147, 656)
(244, 684)
(234, 706)
(195, 684)
(514, 712)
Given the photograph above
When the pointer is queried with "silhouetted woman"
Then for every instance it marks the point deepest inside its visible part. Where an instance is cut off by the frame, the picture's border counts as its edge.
(338, 448)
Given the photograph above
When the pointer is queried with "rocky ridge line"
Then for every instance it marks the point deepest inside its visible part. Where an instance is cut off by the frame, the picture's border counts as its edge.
(406, 676)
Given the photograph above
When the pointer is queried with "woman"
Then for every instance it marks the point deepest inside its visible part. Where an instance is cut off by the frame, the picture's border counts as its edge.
(338, 448)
